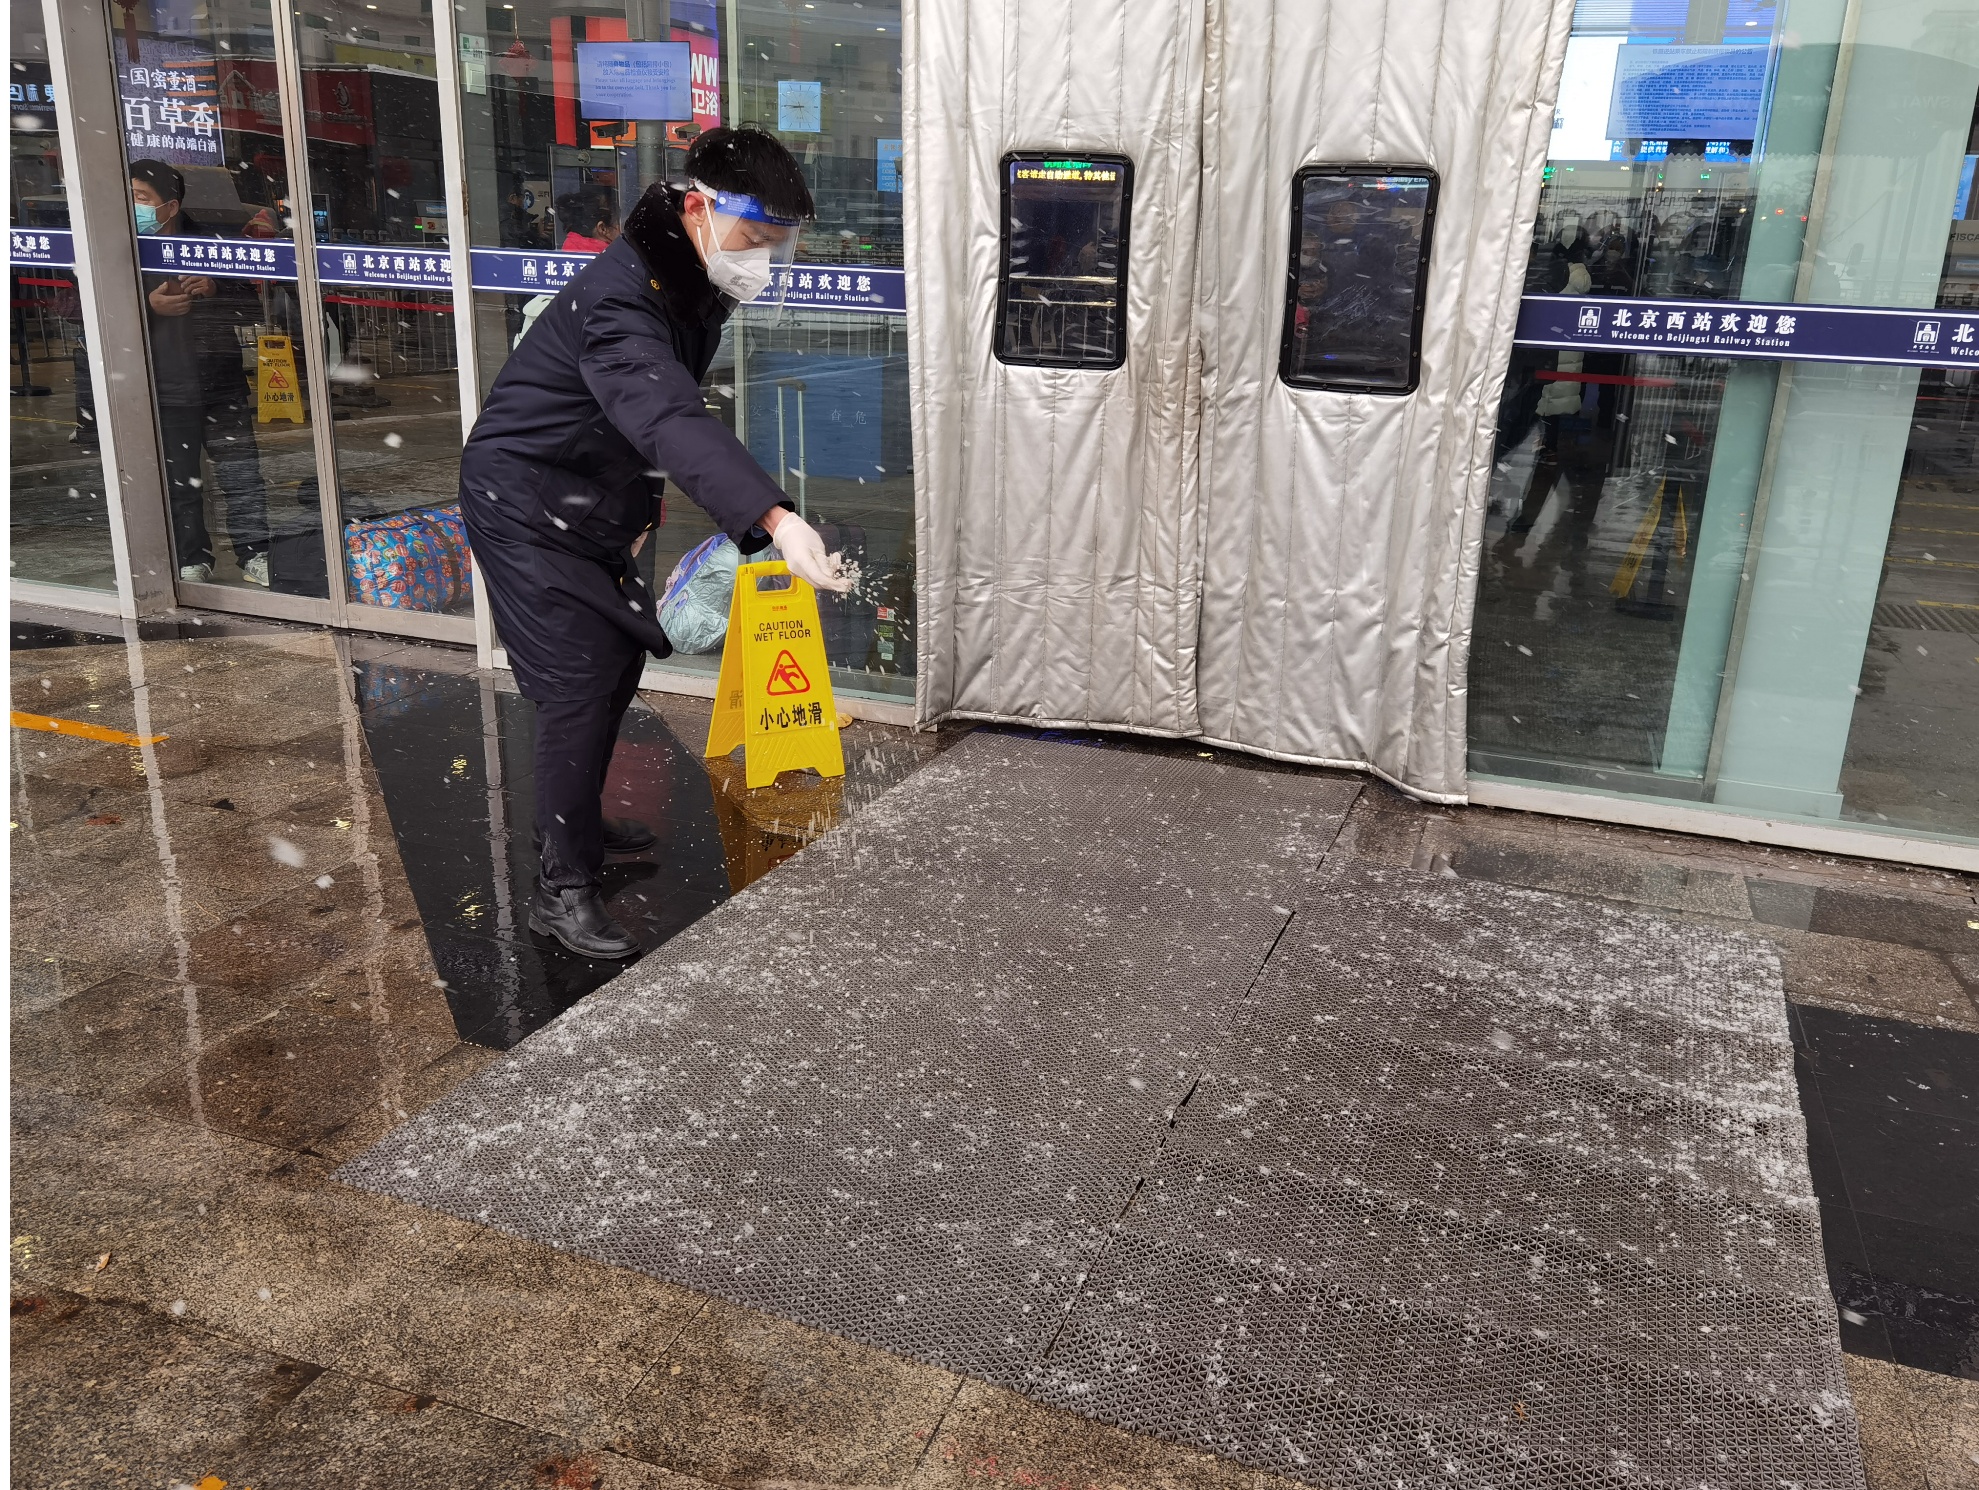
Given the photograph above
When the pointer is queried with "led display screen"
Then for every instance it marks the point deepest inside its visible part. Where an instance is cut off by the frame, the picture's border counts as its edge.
(1062, 292)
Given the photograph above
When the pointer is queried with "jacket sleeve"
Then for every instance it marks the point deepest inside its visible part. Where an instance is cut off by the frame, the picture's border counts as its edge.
(630, 367)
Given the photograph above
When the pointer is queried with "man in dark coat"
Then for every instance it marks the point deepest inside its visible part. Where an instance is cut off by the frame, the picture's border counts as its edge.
(599, 405)
(204, 401)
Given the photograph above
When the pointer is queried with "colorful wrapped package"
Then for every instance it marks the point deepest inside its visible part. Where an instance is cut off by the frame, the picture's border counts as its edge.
(412, 560)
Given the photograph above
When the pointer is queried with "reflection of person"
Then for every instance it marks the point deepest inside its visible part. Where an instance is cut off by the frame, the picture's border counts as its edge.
(559, 484)
(1611, 257)
(204, 403)
(519, 228)
(1566, 450)
(589, 222)
(590, 227)
(1305, 310)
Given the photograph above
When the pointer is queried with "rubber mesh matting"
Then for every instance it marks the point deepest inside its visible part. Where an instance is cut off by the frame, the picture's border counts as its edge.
(1032, 1071)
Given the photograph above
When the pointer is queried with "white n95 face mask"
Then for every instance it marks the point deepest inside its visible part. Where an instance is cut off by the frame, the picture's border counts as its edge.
(743, 275)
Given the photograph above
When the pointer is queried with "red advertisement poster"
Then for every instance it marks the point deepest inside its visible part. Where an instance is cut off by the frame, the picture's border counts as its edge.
(336, 100)
(707, 76)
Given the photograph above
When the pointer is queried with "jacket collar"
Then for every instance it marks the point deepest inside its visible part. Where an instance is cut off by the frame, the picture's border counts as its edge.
(656, 230)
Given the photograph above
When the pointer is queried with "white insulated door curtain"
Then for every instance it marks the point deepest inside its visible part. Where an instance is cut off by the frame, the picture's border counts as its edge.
(1132, 514)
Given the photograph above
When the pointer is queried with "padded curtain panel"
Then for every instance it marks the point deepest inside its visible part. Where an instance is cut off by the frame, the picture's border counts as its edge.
(1343, 529)
(1058, 541)
(1185, 546)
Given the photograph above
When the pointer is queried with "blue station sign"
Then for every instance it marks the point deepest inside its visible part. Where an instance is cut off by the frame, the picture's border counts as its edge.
(861, 287)
(1742, 328)
(805, 286)
(42, 248)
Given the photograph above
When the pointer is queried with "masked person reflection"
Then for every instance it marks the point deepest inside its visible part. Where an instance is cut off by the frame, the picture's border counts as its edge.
(561, 479)
(204, 402)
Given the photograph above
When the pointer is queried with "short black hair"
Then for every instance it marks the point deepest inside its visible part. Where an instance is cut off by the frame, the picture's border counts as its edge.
(754, 162)
(583, 209)
(165, 180)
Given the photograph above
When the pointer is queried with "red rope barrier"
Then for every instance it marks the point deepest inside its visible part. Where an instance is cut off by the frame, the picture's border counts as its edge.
(1626, 382)
(445, 310)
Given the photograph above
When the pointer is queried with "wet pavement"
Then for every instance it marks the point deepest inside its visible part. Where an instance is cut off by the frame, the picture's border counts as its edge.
(245, 951)
(453, 757)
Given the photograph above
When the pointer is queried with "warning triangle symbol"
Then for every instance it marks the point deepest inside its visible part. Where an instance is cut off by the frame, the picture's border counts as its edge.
(787, 676)
(275, 378)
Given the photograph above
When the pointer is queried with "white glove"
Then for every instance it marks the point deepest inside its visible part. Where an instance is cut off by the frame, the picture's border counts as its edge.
(804, 551)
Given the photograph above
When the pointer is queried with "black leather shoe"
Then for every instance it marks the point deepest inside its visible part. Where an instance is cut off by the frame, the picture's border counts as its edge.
(579, 920)
(627, 835)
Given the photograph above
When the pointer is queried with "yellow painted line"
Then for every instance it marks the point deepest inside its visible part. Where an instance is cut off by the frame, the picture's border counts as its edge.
(1948, 605)
(1935, 563)
(81, 730)
(1952, 532)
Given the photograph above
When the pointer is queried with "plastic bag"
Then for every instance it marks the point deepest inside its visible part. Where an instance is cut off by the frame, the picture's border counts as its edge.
(694, 604)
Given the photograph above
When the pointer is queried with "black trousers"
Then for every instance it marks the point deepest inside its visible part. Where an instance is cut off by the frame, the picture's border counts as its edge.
(574, 742)
(223, 429)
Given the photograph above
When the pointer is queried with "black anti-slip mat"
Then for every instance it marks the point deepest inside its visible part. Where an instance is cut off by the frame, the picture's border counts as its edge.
(1031, 1071)
(1486, 1187)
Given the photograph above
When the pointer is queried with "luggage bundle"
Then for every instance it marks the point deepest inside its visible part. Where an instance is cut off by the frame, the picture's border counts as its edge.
(412, 560)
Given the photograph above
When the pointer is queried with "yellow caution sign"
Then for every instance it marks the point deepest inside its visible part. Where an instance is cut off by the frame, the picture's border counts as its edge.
(277, 385)
(774, 696)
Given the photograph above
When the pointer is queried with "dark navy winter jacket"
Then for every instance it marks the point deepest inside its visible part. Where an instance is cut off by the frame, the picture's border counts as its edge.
(597, 407)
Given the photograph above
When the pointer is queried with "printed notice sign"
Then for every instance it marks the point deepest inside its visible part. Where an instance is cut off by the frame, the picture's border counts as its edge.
(650, 80)
(1687, 93)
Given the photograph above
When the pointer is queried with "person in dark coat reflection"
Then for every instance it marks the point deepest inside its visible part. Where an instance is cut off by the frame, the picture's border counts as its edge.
(205, 400)
(560, 480)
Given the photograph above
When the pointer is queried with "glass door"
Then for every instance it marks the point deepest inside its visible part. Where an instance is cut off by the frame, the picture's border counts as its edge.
(209, 162)
(57, 513)
(299, 308)
(818, 391)
(377, 177)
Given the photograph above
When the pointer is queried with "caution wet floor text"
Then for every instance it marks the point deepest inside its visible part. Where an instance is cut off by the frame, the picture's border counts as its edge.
(278, 389)
(774, 695)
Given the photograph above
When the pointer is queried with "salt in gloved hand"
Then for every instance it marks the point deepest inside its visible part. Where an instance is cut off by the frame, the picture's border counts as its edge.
(804, 551)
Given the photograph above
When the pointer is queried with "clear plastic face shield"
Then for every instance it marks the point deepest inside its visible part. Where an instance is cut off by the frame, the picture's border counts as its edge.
(747, 248)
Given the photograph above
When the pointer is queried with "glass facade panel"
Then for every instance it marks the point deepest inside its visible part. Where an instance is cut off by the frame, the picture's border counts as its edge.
(377, 180)
(57, 510)
(1746, 580)
(818, 391)
(208, 162)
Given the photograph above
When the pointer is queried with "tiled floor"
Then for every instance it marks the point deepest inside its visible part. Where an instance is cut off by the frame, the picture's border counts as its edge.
(244, 952)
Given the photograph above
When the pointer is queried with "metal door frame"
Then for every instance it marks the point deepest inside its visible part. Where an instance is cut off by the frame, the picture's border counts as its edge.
(81, 55)
(90, 136)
